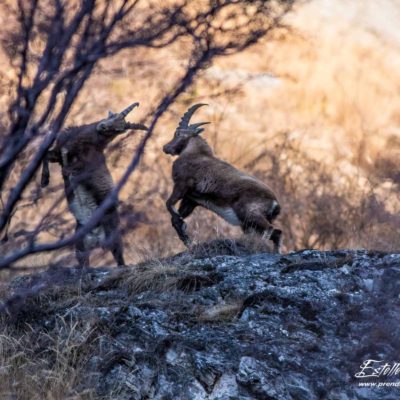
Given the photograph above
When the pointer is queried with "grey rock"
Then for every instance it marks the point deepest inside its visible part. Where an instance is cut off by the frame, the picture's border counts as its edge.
(238, 326)
(258, 379)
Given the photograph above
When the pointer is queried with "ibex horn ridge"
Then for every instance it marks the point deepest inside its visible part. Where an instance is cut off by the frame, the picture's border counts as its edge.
(127, 110)
(184, 123)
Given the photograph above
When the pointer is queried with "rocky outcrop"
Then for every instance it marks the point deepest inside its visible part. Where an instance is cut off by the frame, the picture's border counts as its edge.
(227, 324)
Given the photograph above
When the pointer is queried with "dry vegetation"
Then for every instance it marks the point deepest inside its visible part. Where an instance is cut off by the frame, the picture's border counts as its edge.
(313, 111)
(54, 373)
(54, 365)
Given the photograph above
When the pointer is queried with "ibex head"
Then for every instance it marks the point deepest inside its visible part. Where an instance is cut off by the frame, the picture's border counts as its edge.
(115, 124)
(184, 132)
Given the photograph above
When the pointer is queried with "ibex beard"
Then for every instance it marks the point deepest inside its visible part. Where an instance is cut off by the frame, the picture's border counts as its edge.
(201, 179)
(87, 180)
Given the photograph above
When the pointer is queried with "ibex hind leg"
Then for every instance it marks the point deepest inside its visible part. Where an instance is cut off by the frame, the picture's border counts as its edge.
(81, 253)
(117, 252)
(113, 237)
(276, 238)
(275, 235)
(262, 227)
(115, 245)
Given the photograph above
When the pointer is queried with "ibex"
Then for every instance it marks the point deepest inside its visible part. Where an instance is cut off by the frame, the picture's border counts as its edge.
(87, 180)
(201, 179)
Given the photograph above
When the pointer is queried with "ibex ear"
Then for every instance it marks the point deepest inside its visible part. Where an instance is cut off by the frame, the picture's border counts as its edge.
(111, 114)
(101, 126)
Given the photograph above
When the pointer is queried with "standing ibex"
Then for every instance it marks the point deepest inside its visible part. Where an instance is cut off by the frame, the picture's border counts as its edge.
(87, 180)
(201, 179)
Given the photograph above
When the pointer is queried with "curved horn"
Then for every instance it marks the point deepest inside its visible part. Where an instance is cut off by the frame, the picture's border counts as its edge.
(128, 110)
(198, 125)
(184, 123)
(141, 127)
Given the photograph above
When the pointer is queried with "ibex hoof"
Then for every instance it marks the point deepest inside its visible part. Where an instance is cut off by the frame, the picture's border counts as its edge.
(185, 239)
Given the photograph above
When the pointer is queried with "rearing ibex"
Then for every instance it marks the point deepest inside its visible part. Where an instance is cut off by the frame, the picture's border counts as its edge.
(87, 180)
(201, 179)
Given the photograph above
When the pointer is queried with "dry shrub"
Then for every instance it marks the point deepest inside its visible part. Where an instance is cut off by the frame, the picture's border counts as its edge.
(325, 207)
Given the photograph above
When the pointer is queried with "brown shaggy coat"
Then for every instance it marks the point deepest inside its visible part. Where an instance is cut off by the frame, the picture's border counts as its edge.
(201, 179)
(87, 180)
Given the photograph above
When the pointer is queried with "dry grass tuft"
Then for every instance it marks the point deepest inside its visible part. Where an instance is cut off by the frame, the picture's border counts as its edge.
(222, 246)
(221, 313)
(156, 277)
(40, 366)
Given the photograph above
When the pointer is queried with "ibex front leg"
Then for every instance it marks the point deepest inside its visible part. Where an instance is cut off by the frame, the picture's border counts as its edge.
(176, 219)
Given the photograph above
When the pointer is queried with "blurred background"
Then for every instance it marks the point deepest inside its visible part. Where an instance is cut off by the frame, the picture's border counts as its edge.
(312, 109)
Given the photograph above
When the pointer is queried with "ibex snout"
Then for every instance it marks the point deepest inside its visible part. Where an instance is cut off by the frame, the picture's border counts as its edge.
(169, 149)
